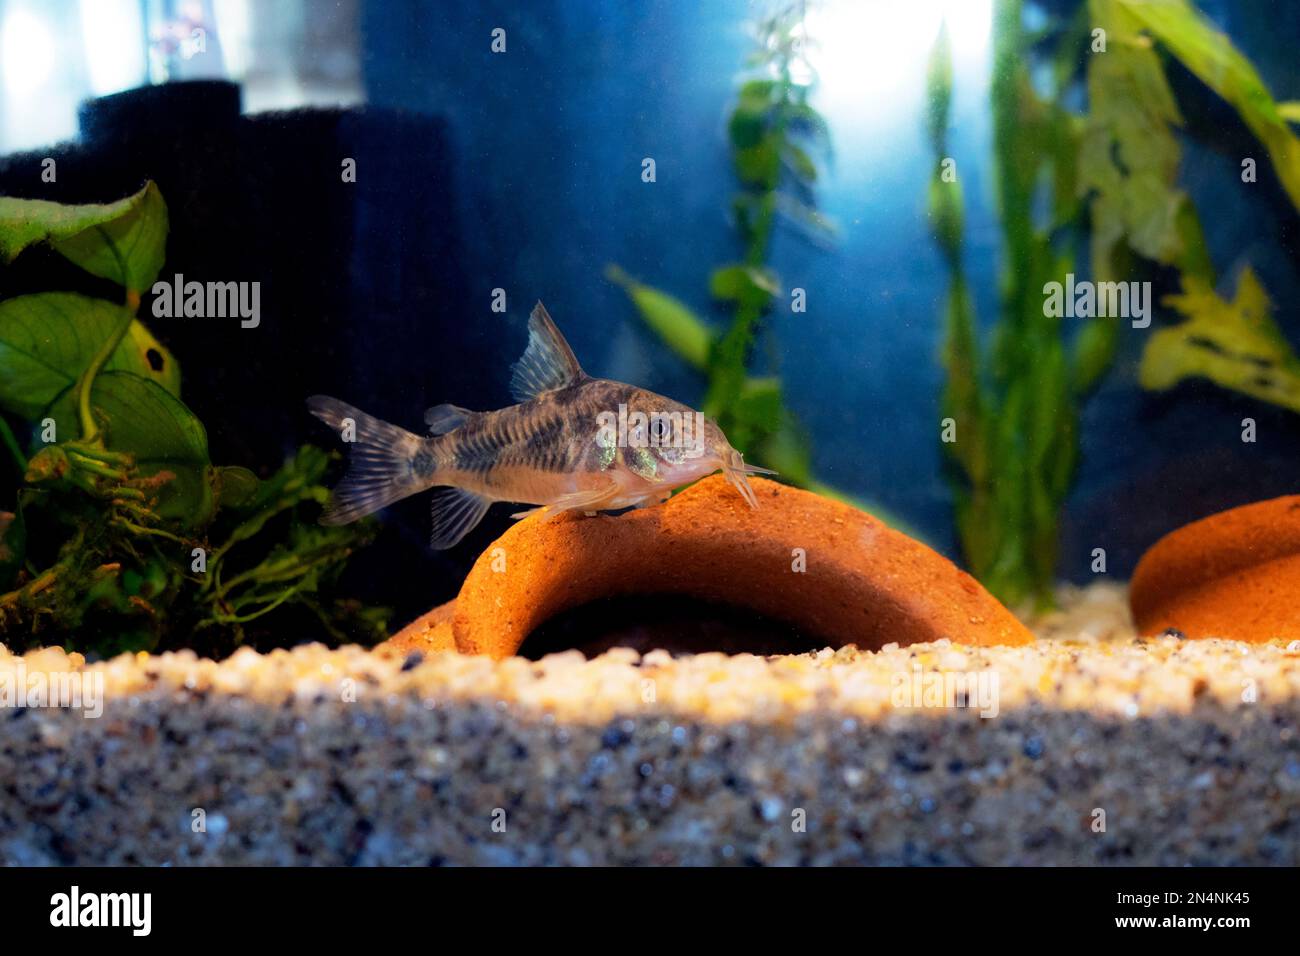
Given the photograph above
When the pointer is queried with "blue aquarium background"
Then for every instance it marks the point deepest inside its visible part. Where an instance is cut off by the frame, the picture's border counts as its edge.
(522, 171)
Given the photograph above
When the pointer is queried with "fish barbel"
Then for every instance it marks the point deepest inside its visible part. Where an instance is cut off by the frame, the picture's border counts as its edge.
(573, 443)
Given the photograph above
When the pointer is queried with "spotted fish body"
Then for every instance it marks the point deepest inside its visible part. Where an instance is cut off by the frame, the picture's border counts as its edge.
(556, 449)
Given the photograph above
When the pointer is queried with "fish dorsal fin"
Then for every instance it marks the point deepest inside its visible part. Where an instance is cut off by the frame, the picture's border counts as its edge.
(547, 363)
(446, 418)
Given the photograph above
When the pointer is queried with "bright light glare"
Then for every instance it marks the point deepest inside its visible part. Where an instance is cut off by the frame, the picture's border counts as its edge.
(234, 21)
(867, 52)
(27, 53)
(114, 37)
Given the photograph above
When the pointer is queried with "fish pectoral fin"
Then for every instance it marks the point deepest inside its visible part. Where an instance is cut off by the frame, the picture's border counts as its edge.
(446, 418)
(547, 364)
(593, 499)
(588, 500)
(455, 514)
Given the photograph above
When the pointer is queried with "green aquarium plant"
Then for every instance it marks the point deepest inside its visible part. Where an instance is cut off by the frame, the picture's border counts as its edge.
(1011, 400)
(124, 536)
(1129, 164)
(776, 139)
(1110, 176)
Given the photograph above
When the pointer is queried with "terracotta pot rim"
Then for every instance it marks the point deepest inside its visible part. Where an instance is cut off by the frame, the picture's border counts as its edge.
(864, 583)
(1229, 575)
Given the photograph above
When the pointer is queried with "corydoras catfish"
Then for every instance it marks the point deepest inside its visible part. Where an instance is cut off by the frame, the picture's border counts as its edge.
(573, 443)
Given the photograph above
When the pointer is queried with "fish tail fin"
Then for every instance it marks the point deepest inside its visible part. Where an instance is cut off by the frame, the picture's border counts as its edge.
(385, 464)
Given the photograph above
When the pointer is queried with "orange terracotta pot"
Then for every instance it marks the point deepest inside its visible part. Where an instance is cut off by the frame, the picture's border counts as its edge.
(861, 582)
(1235, 574)
(427, 633)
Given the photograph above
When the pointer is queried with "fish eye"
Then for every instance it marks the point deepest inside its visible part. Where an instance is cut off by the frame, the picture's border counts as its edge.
(660, 429)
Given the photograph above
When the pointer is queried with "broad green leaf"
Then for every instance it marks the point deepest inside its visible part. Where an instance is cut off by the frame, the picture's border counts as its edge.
(749, 118)
(759, 165)
(124, 241)
(757, 91)
(1128, 156)
(1210, 55)
(742, 283)
(141, 417)
(47, 340)
(674, 322)
(235, 486)
(745, 129)
(1235, 344)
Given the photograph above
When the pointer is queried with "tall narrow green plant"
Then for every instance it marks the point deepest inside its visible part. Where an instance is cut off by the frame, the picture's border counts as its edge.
(1013, 401)
(776, 139)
